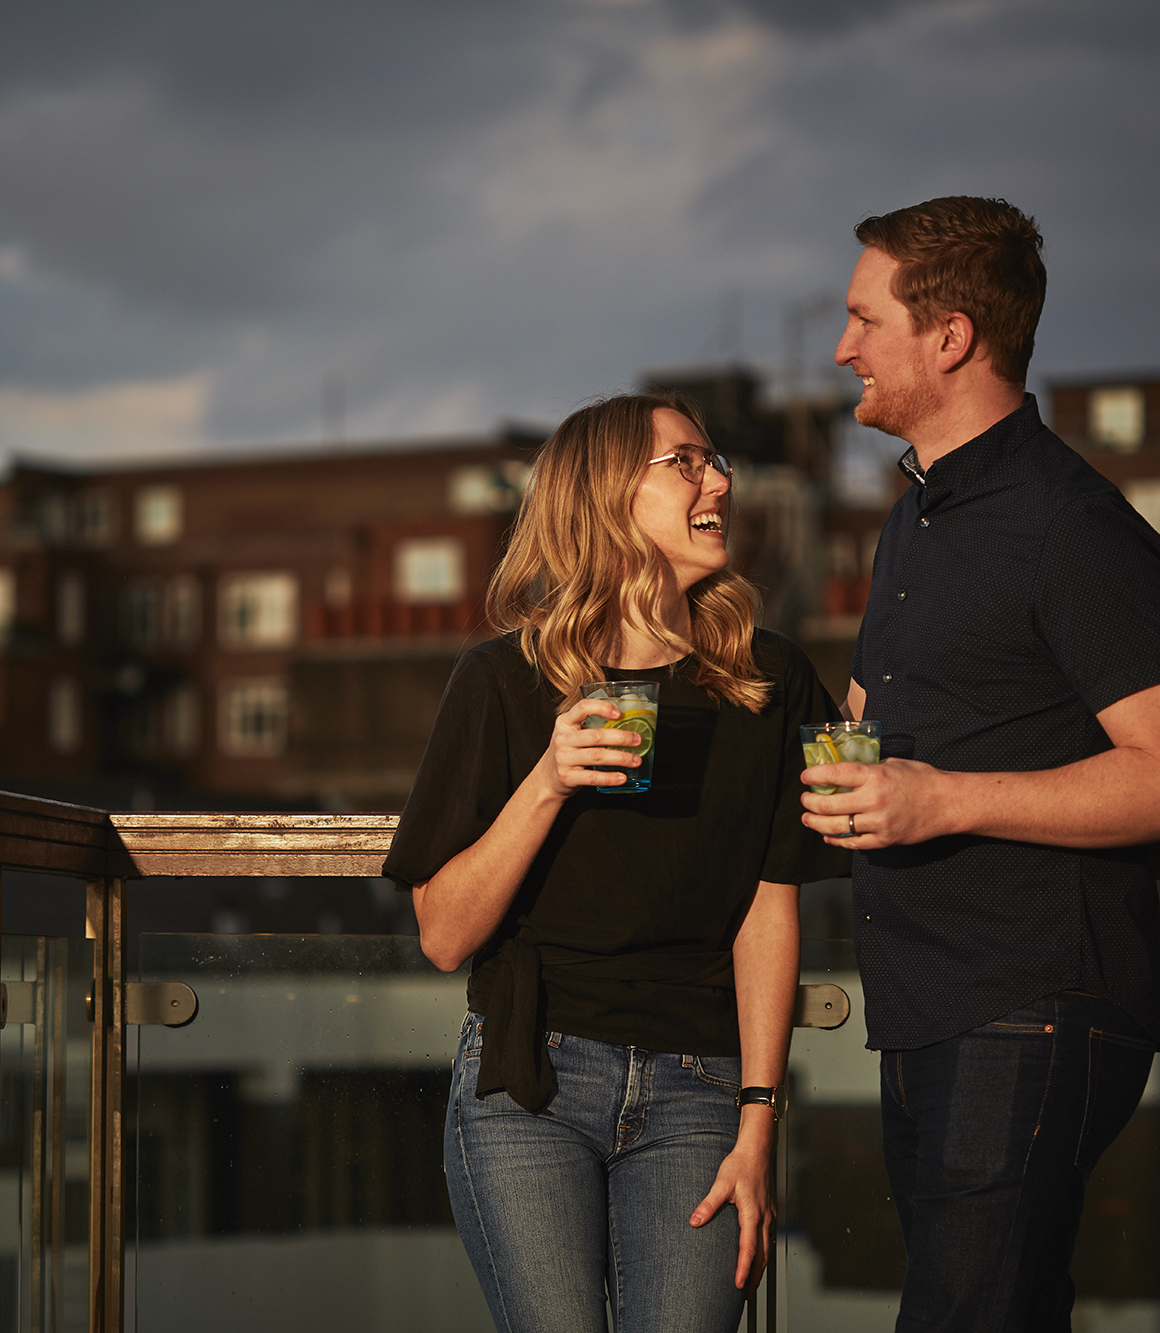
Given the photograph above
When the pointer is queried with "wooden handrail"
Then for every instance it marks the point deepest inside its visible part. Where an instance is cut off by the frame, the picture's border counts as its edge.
(54, 837)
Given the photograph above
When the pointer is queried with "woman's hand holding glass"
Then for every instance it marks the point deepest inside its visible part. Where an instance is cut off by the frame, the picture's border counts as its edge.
(567, 762)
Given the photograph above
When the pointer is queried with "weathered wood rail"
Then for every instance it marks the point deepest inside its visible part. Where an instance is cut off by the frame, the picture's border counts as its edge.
(56, 838)
(107, 849)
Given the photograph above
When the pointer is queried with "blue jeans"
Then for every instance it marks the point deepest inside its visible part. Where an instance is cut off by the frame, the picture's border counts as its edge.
(989, 1139)
(597, 1189)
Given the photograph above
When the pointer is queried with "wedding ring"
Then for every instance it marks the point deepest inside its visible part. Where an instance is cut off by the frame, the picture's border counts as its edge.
(853, 830)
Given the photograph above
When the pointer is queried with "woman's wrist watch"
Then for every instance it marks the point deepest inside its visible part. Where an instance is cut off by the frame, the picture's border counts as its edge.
(758, 1097)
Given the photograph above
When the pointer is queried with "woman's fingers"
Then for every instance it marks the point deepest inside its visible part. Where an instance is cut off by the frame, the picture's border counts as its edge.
(754, 1214)
(575, 749)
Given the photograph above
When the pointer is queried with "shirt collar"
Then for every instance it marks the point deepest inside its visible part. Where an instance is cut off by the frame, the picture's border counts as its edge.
(963, 467)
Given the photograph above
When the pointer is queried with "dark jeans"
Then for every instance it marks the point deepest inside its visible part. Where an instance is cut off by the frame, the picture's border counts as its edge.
(989, 1139)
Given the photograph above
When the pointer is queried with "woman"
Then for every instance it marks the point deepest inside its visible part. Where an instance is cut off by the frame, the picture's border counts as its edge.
(635, 957)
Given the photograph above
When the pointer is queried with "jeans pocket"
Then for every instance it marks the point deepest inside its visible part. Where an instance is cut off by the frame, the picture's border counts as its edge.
(1118, 1069)
(719, 1071)
(471, 1035)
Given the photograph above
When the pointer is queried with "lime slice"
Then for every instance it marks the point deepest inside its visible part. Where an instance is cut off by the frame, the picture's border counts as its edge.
(823, 742)
(815, 754)
(640, 724)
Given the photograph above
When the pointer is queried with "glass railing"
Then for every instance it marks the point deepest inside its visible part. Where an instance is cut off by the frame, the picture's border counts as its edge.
(276, 1161)
(45, 1080)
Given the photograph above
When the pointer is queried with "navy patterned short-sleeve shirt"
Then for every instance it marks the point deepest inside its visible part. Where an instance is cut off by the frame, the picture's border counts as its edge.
(1015, 595)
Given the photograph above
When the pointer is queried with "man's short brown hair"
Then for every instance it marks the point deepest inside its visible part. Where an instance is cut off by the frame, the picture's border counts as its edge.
(980, 256)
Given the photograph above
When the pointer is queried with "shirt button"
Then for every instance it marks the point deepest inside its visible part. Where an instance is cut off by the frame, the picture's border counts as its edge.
(902, 596)
(869, 917)
(887, 677)
(925, 522)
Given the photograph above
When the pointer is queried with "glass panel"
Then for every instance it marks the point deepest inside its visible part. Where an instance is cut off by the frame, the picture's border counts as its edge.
(288, 1142)
(842, 1252)
(45, 1081)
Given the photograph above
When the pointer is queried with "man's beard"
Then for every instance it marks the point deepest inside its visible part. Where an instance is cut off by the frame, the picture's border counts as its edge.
(898, 411)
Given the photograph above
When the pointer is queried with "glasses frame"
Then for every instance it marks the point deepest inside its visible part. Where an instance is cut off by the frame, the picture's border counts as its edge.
(709, 457)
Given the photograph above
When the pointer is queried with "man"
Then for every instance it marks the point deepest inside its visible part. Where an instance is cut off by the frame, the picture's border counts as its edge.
(1006, 916)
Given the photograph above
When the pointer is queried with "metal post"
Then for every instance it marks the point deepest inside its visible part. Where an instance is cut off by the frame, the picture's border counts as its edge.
(39, 1110)
(59, 1056)
(106, 1186)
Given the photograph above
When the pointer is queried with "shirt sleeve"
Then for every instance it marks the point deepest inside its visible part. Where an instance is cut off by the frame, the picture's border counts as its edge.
(1097, 599)
(798, 855)
(464, 780)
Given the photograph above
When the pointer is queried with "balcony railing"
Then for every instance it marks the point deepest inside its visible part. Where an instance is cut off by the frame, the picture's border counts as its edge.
(316, 1024)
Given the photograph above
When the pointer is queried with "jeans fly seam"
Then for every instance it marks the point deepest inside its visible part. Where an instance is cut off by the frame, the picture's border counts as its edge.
(635, 1089)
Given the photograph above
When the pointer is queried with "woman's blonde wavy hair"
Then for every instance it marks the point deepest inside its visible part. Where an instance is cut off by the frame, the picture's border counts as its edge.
(578, 566)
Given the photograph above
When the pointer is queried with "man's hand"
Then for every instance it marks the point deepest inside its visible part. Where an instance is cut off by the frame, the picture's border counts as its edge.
(896, 801)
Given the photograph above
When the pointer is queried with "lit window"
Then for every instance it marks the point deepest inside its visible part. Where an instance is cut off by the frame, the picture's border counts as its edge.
(7, 601)
(1116, 418)
(431, 569)
(157, 515)
(494, 488)
(258, 610)
(70, 609)
(143, 613)
(252, 720)
(96, 518)
(182, 610)
(64, 715)
(182, 721)
(1144, 497)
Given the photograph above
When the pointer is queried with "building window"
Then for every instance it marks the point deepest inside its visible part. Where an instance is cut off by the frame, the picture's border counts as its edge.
(54, 518)
(96, 518)
(258, 610)
(157, 515)
(64, 715)
(1116, 418)
(182, 611)
(143, 613)
(252, 720)
(7, 602)
(1144, 497)
(430, 569)
(495, 488)
(182, 720)
(70, 609)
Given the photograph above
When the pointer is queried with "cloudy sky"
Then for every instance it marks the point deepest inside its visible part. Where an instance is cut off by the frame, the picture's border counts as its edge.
(216, 218)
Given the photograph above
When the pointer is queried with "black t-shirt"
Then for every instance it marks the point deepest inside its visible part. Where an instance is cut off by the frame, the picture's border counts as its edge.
(1016, 594)
(634, 900)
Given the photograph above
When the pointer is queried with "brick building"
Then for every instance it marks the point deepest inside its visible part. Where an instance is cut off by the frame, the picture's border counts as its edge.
(204, 628)
(1114, 421)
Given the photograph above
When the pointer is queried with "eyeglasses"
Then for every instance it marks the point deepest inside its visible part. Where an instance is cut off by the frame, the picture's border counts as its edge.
(692, 462)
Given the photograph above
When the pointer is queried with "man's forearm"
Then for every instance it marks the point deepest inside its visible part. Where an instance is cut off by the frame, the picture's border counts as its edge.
(1109, 800)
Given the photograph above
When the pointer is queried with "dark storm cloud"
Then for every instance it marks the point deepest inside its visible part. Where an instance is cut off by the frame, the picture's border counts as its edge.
(480, 210)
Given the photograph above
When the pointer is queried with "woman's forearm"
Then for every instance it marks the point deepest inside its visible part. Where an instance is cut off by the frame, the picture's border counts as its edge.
(766, 957)
(459, 908)
(461, 905)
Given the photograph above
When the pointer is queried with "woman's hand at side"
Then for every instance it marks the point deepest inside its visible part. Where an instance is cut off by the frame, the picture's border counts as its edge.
(461, 905)
(765, 970)
(743, 1179)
